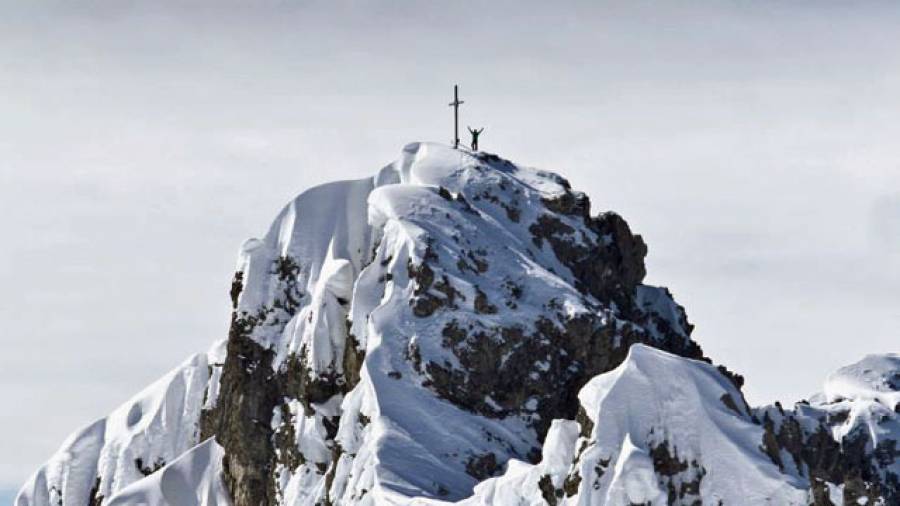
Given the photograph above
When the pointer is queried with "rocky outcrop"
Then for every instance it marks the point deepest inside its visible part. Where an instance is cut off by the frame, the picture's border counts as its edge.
(253, 389)
(249, 393)
(651, 431)
(609, 266)
(845, 437)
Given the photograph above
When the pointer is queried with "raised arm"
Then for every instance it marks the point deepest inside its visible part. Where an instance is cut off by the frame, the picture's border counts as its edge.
(470, 130)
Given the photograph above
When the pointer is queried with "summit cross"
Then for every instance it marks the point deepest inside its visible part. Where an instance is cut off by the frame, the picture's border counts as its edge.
(455, 105)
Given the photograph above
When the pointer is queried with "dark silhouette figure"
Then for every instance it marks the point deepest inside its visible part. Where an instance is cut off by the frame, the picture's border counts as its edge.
(475, 133)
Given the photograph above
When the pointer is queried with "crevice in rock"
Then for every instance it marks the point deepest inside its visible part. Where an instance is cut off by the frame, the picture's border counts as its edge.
(147, 470)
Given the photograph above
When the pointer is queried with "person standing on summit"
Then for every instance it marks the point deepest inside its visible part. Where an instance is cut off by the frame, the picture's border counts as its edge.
(475, 133)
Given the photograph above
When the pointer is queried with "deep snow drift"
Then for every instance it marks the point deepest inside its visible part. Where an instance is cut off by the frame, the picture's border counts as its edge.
(460, 328)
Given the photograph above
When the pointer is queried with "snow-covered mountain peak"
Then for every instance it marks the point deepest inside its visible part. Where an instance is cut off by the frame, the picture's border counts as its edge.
(475, 292)
(458, 327)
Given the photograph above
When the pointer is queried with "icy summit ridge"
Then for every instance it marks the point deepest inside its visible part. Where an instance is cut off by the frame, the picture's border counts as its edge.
(458, 327)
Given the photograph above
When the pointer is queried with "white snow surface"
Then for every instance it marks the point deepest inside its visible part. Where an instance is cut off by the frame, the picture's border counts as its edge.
(874, 378)
(338, 254)
(193, 479)
(153, 428)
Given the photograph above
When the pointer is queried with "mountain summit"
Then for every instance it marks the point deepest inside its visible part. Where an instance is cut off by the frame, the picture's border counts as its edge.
(459, 328)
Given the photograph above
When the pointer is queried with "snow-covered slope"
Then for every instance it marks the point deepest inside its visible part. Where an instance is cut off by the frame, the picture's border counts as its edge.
(194, 478)
(456, 327)
(141, 436)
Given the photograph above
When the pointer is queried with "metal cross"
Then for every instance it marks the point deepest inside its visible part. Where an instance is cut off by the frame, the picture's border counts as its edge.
(455, 105)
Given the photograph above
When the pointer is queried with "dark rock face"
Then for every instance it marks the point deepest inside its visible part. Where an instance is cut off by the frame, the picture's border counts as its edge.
(483, 466)
(425, 302)
(95, 498)
(246, 400)
(284, 439)
(728, 401)
(609, 268)
(550, 494)
(853, 461)
(680, 478)
(501, 363)
(147, 470)
(251, 391)
(482, 306)
(241, 419)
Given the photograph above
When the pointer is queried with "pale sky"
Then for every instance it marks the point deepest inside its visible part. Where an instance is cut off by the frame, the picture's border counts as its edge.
(754, 145)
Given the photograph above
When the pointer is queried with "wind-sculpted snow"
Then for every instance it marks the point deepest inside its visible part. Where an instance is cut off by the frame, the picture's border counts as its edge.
(135, 440)
(458, 328)
(193, 479)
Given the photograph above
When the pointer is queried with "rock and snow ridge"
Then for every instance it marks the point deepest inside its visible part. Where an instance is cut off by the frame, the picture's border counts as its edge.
(460, 328)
